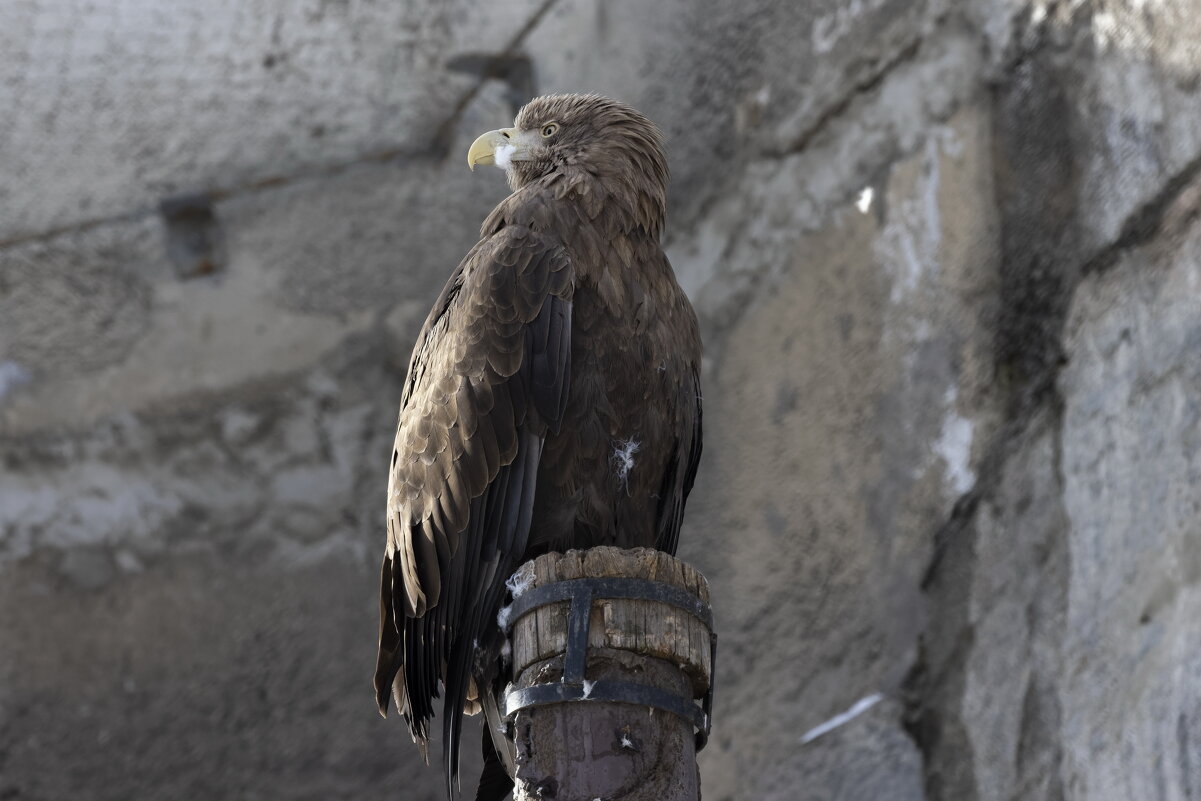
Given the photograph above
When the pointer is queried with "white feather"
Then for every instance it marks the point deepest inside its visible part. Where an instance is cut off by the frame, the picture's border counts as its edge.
(519, 582)
(623, 459)
(503, 155)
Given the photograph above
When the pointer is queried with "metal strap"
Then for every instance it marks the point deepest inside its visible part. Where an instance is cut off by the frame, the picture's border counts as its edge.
(581, 593)
(609, 588)
(621, 692)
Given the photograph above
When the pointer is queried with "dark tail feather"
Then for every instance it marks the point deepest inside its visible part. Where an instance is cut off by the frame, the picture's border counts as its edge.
(499, 557)
(495, 782)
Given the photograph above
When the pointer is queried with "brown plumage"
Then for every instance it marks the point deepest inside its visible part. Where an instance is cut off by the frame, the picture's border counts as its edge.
(552, 401)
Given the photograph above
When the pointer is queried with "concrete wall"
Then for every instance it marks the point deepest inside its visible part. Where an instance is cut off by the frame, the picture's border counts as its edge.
(946, 259)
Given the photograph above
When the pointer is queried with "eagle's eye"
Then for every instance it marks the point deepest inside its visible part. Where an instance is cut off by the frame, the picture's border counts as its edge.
(549, 129)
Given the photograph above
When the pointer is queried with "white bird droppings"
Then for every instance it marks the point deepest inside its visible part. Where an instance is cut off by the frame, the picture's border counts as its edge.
(864, 201)
(857, 709)
(588, 685)
(954, 446)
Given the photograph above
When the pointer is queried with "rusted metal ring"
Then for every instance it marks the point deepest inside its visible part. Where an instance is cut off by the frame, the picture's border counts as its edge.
(582, 592)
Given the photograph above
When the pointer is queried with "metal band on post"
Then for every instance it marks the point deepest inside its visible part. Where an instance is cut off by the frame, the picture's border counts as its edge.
(573, 687)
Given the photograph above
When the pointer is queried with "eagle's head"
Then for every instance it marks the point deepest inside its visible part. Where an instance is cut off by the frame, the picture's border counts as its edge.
(573, 134)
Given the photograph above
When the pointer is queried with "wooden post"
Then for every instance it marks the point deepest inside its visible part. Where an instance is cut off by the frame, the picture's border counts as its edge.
(597, 747)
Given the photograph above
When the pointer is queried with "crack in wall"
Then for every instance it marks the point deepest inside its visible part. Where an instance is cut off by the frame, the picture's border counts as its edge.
(840, 106)
(1149, 220)
(445, 130)
(931, 689)
(922, 60)
(1036, 194)
(434, 150)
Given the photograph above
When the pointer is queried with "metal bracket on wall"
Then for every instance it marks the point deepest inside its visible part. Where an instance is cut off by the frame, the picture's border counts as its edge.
(191, 234)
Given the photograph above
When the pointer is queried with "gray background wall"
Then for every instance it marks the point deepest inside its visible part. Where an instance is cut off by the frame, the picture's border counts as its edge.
(948, 261)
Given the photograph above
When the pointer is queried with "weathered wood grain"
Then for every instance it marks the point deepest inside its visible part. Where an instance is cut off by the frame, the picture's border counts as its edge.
(599, 749)
(645, 627)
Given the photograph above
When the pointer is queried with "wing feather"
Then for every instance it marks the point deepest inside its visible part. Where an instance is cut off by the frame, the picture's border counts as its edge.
(681, 471)
(487, 381)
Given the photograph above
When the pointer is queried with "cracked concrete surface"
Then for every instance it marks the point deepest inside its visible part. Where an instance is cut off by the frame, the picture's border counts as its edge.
(945, 256)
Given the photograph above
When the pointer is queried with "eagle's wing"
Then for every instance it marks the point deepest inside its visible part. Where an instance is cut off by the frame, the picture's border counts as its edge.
(681, 467)
(488, 378)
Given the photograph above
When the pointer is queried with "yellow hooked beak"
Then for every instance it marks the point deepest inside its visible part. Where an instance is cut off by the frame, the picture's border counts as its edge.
(498, 147)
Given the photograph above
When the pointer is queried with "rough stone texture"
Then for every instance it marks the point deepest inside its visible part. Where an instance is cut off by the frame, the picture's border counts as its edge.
(1130, 694)
(945, 256)
(846, 394)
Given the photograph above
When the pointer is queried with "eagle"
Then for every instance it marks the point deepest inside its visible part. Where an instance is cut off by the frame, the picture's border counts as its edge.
(552, 401)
